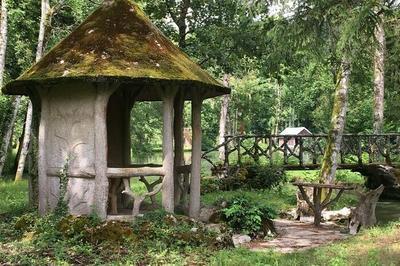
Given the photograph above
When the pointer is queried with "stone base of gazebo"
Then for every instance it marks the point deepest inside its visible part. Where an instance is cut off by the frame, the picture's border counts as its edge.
(97, 162)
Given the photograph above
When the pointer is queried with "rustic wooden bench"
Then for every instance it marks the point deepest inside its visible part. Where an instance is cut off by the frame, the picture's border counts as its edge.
(317, 204)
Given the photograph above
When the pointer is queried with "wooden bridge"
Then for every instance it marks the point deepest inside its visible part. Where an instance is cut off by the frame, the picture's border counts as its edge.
(306, 152)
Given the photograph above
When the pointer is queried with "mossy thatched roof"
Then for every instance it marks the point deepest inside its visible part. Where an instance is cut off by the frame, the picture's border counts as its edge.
(117, 42)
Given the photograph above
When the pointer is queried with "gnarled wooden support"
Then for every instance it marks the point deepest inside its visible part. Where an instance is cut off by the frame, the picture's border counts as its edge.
(138, 199)
(316, 205)
(364, 213)
(150, 187)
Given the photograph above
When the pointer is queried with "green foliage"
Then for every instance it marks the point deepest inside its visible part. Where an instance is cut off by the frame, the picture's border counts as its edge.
(146, 128)
(251, 176)
(246, 216)
(178, 232)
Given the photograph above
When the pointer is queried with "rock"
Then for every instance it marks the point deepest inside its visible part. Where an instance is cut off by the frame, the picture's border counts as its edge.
(290, 215)
(239, 240)
(342, 214)
(216, 228)
(194, 229)
(207, 212)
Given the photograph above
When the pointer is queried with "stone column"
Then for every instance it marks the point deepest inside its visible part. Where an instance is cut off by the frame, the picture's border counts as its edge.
(168, 152)
(100, 143)
(42, 162)
(179, 149)
(194, 205)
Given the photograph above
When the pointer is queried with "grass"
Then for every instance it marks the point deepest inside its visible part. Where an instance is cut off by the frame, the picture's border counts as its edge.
(13, 197)
(376, 246)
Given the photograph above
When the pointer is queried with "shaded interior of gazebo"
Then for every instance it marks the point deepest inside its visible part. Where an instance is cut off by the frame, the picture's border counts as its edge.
(84, 90)
(173, 95)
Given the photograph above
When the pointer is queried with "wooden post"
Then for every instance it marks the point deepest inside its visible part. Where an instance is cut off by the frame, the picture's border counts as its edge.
(168, 152)
(194, 206)
(301, 151)
(179, 149)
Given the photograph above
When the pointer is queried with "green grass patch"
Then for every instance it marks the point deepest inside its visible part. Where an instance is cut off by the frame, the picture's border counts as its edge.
(376, 246)
(14, 197)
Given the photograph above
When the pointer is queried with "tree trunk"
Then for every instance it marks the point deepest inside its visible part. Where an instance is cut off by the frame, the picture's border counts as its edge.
(3, 39)
(8, 132)
(42, 29)
(223, 119)
(364, 214)
(25, 143)
(332, 151)
(45, 11)
(379, 80)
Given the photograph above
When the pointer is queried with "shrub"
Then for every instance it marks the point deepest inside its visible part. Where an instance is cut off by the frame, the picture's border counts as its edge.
(246, 177)
(175, 231)
(246, 216)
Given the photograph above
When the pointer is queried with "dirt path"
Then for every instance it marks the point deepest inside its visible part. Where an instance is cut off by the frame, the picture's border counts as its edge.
(295, 235)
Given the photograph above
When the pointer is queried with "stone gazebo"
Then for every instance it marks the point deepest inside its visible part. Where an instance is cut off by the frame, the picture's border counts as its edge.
(84, 90)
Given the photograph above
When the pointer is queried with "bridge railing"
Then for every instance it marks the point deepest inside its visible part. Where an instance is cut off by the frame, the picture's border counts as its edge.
(306, 151)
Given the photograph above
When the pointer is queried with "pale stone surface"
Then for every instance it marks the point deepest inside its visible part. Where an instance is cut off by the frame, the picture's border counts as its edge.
(67, 123)
(341, 214)
(294, 236)
(239, 240)
(206, 213)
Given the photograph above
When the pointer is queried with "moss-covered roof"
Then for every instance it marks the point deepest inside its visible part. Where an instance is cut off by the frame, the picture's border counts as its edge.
(117, 42)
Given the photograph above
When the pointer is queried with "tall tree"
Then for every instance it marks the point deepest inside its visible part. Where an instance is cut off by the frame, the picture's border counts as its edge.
(3, 38)
(44, 20)
(9, 123)
(379, 75)
(223, 119)
(332, 150)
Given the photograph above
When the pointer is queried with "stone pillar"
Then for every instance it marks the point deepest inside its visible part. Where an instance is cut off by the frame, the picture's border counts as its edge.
(42, 162)
(179, 149)
(100, 144)
(194, 205)
(168, 152)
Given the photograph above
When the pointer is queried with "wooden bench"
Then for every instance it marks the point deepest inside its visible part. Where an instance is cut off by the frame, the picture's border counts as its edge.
(318, 205)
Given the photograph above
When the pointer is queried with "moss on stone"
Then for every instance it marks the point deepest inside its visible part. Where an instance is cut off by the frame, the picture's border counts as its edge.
(116, 41)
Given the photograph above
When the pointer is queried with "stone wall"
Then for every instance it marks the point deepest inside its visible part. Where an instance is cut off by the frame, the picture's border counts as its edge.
(67, 133)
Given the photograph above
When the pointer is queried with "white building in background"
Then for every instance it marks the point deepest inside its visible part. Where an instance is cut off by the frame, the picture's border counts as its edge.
(293, 131)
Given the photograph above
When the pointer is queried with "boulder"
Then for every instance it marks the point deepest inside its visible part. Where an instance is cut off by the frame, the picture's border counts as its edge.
(239, 240)
(335, 216)
(209, 214)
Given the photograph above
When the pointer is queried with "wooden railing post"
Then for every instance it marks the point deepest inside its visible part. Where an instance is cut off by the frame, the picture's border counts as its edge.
(226, 151)
(301, 159)
(285, 155)
(239, 156)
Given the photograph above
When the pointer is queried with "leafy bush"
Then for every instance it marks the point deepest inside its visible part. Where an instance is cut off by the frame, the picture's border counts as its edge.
(175, 231)
(247, 177)
(246, 216)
